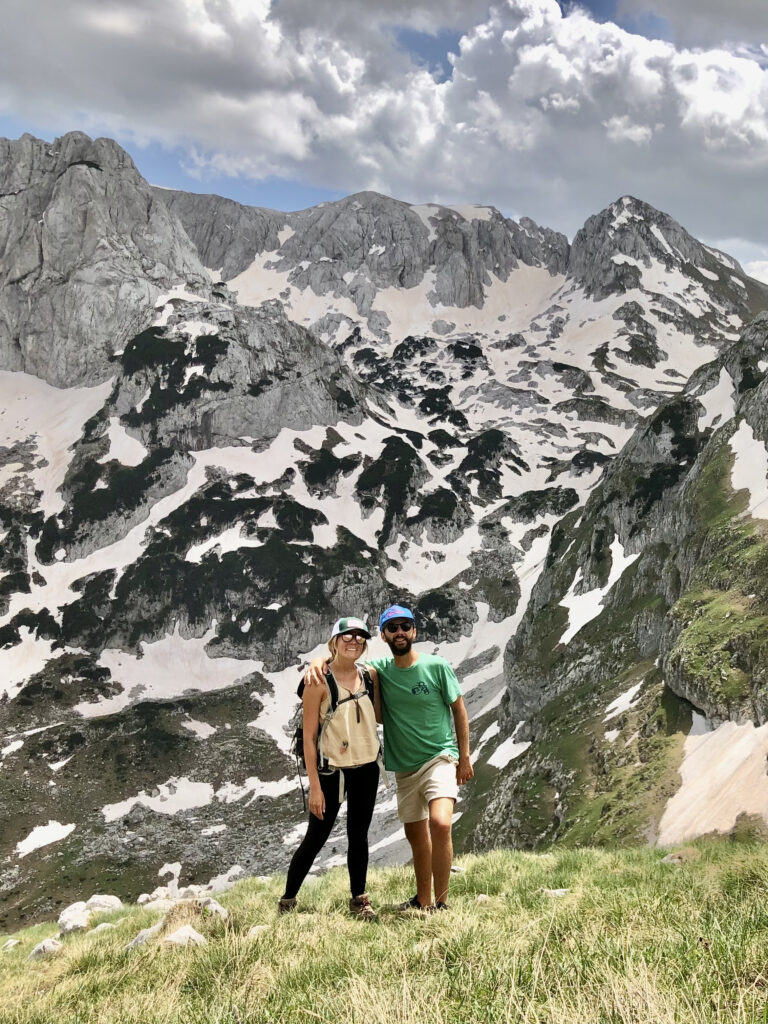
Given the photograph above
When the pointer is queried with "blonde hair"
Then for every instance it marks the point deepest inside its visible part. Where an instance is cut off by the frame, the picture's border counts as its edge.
(333, 646)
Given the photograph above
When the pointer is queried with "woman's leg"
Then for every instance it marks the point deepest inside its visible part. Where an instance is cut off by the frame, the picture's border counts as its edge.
(315, 838)
(362, 784)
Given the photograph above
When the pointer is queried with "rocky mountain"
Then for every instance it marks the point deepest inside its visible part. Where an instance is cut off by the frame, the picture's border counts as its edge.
(222, 427)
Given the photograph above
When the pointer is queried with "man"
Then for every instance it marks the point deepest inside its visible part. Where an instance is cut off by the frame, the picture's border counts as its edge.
(417, 694)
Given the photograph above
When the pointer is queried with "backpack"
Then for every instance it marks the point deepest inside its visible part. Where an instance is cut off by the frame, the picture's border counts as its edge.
(297, 739)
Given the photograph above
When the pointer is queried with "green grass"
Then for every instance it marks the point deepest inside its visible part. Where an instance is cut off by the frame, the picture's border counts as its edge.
(634, 940)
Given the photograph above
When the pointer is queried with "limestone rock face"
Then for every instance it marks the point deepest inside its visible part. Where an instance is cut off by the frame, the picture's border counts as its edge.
(226, 234)
(367, 242)
(85, 248)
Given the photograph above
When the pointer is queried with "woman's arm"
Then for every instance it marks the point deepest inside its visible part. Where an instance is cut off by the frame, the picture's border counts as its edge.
(311, 700)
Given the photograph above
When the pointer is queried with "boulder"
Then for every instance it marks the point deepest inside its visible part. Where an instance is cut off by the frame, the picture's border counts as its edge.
(48, 947)
(99, 902)
(75, 918)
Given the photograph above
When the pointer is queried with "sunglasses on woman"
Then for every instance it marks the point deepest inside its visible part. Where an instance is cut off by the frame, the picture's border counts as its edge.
(395, 627)
(359, 638)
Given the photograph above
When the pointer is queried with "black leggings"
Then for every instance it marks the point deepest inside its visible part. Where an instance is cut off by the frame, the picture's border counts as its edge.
(361, 785)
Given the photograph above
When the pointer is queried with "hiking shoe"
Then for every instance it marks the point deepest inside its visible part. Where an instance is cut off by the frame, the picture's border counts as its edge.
(440, 905)
(361, 907)
(285, 905)
(412, 904)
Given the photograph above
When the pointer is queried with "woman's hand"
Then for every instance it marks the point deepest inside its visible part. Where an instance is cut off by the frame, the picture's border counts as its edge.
(316, 801)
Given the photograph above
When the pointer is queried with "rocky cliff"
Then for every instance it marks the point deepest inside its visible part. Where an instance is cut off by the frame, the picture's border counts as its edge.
(85, 249)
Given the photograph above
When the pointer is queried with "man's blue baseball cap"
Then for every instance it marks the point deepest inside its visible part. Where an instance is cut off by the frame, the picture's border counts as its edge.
(395, 611)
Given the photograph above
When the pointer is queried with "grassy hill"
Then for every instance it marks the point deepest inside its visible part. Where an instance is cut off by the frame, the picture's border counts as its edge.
(632, 940)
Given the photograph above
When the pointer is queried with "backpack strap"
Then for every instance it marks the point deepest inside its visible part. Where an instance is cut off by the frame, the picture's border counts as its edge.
(367, 680)
(333, 690)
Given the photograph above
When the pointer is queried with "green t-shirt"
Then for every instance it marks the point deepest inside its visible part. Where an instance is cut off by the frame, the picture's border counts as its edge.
(415, 706)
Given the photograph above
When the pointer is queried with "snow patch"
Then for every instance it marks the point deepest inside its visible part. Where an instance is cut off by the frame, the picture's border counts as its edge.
(125, 449)
(582, 608)
(507, 751)
(623, 702)
(43, 835)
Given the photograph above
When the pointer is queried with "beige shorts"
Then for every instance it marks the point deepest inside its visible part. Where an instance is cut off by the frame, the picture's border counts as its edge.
(436, 778)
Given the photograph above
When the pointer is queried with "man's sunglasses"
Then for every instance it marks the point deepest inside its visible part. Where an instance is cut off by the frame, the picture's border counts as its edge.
(395, 627)
(359, 638)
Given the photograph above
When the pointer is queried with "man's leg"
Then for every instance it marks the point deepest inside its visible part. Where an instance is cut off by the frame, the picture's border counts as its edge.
(440, 818)
(417, 834)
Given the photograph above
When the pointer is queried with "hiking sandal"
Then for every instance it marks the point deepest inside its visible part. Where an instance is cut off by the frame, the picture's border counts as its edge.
(361, 907)
(285, 905)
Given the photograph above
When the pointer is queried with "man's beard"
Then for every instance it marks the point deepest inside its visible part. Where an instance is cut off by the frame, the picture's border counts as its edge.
(401, 648)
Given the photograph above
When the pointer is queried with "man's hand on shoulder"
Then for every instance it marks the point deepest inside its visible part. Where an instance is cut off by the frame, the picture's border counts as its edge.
(315, 674)
(464, 770)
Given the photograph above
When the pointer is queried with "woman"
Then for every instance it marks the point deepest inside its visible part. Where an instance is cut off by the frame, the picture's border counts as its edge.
(348, 750)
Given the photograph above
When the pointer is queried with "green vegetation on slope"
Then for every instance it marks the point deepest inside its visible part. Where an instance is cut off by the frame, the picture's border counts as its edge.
(630, 940)
(721, 650)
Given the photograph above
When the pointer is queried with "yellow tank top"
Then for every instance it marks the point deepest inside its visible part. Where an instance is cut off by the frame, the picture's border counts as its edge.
(349, 738)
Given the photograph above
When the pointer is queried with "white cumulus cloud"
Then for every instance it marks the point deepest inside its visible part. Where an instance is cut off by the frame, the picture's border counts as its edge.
(544, 113)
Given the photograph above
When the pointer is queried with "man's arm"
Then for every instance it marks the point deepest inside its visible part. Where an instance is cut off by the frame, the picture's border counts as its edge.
(315, 674)
(376, 693)
(464, 770)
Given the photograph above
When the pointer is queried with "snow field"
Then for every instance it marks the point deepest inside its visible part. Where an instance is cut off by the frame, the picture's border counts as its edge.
(750, 469)
(167, 668)
(718, 402)
(53, 418)
(723, 776)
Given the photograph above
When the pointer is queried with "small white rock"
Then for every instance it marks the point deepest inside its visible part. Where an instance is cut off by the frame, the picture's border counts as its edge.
(186, 936)
(99, 902)
(257, 929)
(482, 897)
(45, 948)
(457, 869)
(103, 927)
(555, 892)
(9, 945)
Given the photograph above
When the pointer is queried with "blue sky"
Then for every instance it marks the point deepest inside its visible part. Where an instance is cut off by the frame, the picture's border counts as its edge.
(546, 110)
